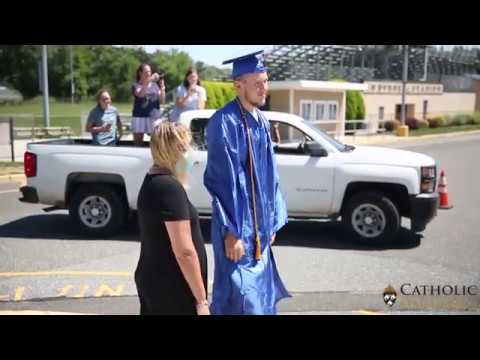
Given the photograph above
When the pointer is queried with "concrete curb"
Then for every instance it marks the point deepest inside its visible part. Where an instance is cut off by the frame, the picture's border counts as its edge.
(388, 139)
(14, 177)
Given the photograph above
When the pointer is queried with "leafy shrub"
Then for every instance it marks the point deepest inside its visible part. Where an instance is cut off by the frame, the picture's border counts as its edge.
(437, 121)
(460, 119)
(476, 118)
(391, 125)
(415, 124)
(218, 93)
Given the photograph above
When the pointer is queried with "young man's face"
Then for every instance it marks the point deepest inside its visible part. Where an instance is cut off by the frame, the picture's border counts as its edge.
(254, 88)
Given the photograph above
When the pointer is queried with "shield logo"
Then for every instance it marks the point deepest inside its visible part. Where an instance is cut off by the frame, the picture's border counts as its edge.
(389, 295)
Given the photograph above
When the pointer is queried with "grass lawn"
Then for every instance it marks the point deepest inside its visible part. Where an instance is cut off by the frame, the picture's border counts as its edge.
(35, 107)
(442, 130)
(30, 113)
(8, 168)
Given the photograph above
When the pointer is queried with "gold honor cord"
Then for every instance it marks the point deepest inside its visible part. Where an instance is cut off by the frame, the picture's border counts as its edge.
(258, 250)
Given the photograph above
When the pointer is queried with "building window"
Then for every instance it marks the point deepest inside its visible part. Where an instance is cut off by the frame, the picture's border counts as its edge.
(320, 110)
(425, 109)
(306, 110)
(312, 110)
(332, 111)
(381, 113)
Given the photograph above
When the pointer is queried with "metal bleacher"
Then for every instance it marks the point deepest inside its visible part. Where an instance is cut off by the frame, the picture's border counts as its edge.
(357, 63)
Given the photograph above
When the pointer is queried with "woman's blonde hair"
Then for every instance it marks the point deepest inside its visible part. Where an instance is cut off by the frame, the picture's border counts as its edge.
(168, 142)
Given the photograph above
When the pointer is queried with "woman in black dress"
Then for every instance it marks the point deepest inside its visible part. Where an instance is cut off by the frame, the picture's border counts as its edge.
(171, 274)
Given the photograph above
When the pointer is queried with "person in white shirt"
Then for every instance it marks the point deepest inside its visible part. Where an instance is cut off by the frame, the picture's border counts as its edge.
(190, 95)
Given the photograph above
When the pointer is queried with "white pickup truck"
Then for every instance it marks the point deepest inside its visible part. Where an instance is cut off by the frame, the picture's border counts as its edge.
(370, 188)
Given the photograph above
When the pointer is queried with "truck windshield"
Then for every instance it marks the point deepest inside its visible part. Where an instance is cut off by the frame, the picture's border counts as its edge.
(337, 144)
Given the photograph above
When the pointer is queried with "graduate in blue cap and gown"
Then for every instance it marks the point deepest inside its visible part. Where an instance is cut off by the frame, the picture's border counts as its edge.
(248, 207)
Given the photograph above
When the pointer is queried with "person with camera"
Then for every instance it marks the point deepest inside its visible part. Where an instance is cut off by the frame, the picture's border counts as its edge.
(148, 93)
(189, 96)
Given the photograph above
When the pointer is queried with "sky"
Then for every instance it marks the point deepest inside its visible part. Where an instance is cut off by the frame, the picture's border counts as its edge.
(211, 54)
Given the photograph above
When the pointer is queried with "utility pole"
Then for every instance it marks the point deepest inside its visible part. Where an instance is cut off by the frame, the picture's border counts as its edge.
(72, 84)
(46, 110)
(404, 82)
(425, 65)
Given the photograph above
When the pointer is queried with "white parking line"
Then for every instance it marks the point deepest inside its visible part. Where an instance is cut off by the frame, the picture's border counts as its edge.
(9, 191)
(67, 273)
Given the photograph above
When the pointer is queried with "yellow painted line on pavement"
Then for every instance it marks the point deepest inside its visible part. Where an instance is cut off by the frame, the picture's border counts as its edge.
(9, 191)
(367, 312)
(82, 292)
(19, 293)
(107, 290)
(40, 312)
(67, 273)
(65, 290)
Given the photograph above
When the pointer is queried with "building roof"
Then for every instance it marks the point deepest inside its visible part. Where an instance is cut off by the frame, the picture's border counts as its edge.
(331, 86)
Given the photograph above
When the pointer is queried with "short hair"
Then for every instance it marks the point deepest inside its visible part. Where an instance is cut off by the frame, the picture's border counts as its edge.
(100, 92)
(168, 142)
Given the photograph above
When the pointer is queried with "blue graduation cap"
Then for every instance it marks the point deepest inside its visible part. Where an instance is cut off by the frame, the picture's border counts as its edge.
(247, 64)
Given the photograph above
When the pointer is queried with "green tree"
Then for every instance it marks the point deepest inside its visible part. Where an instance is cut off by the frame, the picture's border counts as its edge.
(355, 104)
(19, 68)
(174, 64)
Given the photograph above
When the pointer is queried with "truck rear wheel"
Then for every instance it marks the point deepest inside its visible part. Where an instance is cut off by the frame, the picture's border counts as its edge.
(98, 210)
(371, 218)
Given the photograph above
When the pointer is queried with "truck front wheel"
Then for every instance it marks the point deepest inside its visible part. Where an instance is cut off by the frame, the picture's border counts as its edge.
(98, 210)
(371, 218)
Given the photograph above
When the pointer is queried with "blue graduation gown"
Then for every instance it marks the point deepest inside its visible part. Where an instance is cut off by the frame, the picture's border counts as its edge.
(248, 286)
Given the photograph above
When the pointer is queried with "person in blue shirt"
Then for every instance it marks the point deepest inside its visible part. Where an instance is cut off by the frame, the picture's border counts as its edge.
(104, 121)
(248, 208)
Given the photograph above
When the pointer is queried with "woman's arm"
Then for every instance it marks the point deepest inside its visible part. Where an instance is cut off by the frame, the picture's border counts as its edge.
(140, 90)
(96, 129)
(162, 96)
(162, 93)
(91, 128)
(180, 101)
(187, 258)
(202, 98)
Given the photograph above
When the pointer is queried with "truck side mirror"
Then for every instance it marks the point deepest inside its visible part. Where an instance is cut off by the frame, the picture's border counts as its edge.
(315, 149)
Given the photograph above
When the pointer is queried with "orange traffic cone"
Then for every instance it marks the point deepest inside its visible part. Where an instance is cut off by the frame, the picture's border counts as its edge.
(443, 192)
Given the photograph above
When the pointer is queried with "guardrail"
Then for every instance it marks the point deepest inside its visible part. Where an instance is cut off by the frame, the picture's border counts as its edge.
(42, 132)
